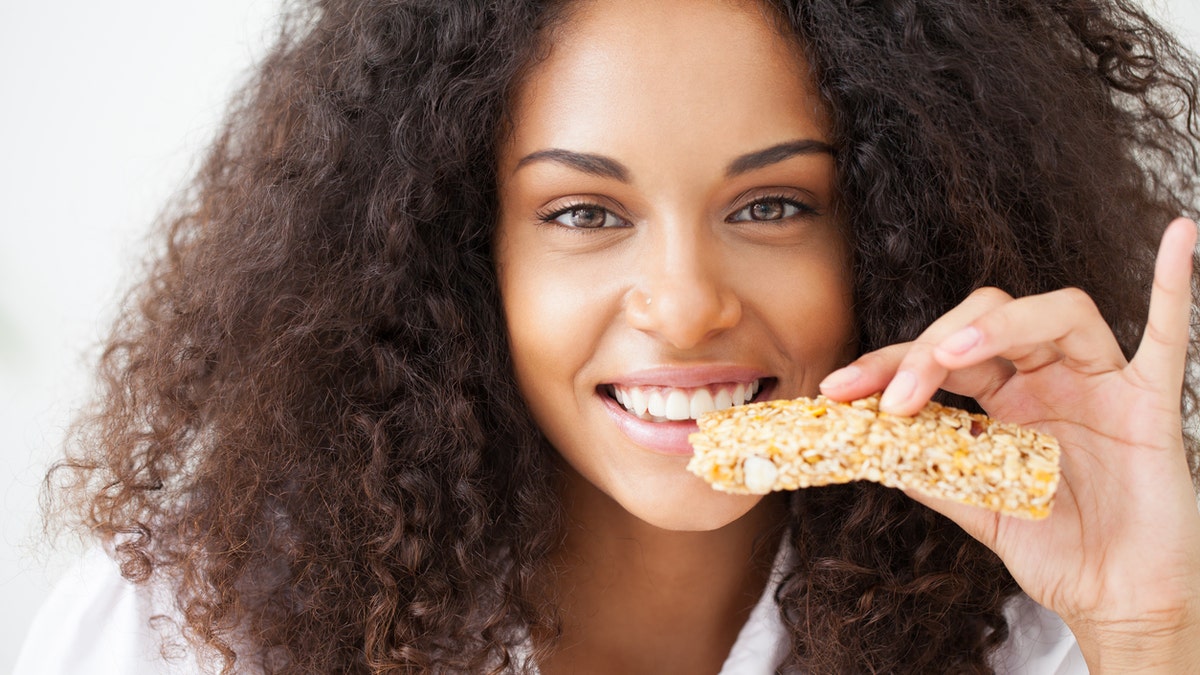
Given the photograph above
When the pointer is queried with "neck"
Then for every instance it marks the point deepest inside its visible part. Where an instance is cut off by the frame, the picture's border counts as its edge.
(636, 598)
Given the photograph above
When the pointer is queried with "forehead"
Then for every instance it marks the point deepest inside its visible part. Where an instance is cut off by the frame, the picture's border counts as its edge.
(658, 73)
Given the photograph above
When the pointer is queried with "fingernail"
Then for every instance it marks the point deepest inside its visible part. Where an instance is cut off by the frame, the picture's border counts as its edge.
(899, 390)
(962, 341)
(841, 377)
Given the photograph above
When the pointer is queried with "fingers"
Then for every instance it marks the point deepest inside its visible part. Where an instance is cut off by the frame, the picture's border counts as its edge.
(908, 371)
(873, 371)
(976, 347)
(920, 374)
(1036, 331)
(1162, 355)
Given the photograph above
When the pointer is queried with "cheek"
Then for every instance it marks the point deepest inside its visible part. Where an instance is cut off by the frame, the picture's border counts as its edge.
(822, 319)
(554, 318)
(807, 303)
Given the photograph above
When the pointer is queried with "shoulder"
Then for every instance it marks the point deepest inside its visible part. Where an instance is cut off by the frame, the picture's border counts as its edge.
(96, 621)
(1039, 643)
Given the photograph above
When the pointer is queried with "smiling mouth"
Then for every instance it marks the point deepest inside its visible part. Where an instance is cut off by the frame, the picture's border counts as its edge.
(676, 404)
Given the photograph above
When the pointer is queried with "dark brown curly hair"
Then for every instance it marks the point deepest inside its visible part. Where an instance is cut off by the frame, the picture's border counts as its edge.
(310, 429)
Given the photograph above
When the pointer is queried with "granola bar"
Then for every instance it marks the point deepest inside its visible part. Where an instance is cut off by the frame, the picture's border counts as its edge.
(942, 452)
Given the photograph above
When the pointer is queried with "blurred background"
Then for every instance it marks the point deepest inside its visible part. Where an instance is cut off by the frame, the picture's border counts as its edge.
(107, 109)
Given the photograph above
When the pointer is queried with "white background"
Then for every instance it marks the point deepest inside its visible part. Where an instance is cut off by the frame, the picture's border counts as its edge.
(105, 108)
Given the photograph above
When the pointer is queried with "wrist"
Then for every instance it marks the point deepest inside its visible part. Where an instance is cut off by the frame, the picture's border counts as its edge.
(1149, 645)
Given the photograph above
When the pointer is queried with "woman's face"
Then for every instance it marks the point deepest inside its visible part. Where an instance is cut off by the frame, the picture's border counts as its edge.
(667, 242)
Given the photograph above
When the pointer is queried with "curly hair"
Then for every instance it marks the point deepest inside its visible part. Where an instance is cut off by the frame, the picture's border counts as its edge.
(309, 426)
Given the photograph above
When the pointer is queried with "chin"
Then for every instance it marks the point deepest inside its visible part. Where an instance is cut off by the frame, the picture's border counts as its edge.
(659, 493)
(704, 511)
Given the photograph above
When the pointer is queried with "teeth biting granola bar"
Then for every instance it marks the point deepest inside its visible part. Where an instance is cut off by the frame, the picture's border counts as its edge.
(941, 451)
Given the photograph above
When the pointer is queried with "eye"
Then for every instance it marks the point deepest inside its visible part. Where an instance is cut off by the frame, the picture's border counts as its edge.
(771, 208)
(584, 217)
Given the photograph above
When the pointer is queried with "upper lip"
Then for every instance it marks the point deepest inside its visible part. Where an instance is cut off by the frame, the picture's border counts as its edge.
(689, 376)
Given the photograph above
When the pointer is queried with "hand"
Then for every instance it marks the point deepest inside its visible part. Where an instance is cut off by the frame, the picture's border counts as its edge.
(1119, 557)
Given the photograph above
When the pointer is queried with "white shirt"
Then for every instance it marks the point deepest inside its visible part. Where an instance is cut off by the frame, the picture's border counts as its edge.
(97, 623)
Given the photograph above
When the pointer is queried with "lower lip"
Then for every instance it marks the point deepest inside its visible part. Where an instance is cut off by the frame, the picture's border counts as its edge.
(667, 438)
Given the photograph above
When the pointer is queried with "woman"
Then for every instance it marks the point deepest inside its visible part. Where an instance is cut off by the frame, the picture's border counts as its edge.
(366, 415)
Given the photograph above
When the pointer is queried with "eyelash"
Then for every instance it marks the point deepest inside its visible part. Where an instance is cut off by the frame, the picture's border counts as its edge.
(550, 217)
(802, 209)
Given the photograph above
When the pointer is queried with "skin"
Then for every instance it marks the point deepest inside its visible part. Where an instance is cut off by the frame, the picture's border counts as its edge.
(674, 93)
(684, 285)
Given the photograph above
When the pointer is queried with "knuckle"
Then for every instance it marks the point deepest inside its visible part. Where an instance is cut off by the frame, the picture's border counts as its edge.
(1078, 299)
(919, 358)
(989, 295)
(881, 358)
(1156, 334)
(1161, 287)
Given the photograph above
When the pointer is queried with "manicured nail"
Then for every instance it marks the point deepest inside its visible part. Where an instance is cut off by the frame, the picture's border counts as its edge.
(899, 391)
(961, 342)
(841, 377)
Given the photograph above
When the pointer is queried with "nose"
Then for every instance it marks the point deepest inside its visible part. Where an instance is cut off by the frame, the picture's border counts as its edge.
(683, 296)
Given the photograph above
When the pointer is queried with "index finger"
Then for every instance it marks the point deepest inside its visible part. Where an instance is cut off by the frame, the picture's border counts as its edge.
(1162, 353)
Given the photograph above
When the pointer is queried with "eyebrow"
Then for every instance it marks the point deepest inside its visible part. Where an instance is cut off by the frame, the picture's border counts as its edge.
(607, 167)
(775, 154)
(596, 165)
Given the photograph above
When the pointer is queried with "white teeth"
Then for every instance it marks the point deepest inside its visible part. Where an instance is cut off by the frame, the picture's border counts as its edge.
(678, 407)
(638, 401)
(702, 402)
(722, 400)
(660, 404)
(656, 405)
